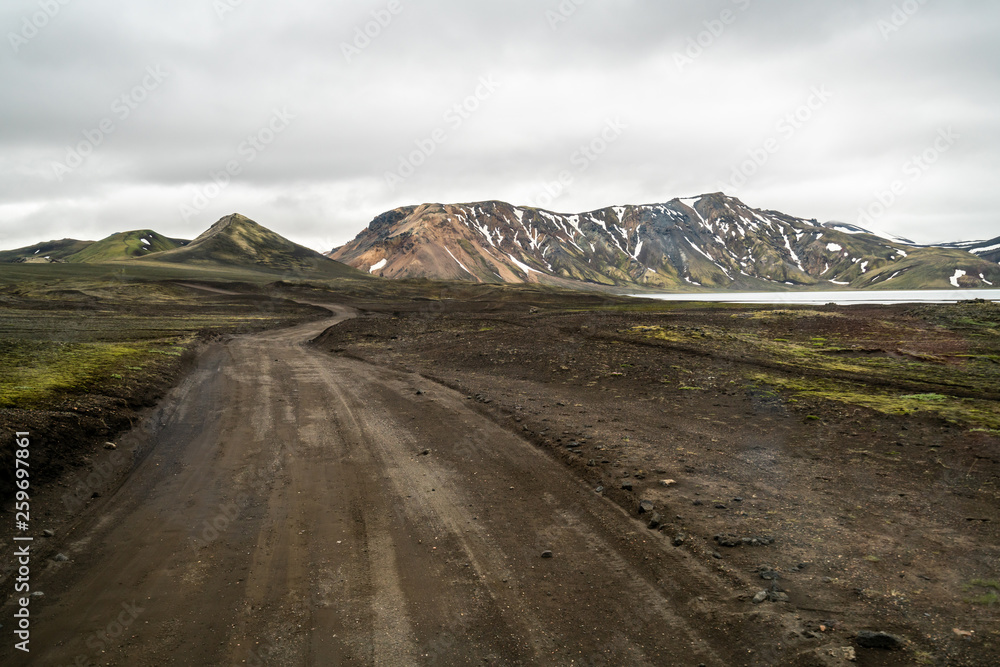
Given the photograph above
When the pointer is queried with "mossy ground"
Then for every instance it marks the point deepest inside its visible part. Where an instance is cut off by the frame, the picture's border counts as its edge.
(35, 372)
(964, 411)
(939, 361)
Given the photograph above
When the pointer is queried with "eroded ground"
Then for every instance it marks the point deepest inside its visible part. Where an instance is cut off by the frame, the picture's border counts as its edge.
(863, 440)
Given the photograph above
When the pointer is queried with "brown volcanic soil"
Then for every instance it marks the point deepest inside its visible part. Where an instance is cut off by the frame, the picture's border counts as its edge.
(885, 522)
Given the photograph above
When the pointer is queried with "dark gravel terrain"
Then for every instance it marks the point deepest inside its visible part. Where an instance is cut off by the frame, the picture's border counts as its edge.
(837, 467)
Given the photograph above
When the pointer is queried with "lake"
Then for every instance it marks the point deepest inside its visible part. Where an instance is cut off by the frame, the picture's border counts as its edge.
(840, 297)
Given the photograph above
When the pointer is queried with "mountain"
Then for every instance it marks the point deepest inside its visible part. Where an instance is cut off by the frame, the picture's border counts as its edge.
(236, 240)
(711, 241)
(48, 251)
(125, 245)
(988, 250)
(233, 241)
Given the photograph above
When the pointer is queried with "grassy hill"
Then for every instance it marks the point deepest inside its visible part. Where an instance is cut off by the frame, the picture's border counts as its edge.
(48, 251)
(126, 245)
(989, 250)
(930, 268)
(239, 241)
(235, 247)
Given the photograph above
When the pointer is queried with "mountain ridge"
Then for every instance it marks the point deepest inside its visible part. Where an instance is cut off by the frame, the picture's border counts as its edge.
(234, 241)
(710, 241)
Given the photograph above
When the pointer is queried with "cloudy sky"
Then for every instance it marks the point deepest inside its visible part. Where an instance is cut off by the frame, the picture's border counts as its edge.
(313, 117)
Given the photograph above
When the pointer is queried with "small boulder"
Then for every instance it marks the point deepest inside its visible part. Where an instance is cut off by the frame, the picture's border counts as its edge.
(645, 506)
(728, 541)
(655, 521)
(547, 554)
(110, 445)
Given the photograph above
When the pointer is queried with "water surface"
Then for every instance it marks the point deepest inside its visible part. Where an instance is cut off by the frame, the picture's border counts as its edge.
(840, 297)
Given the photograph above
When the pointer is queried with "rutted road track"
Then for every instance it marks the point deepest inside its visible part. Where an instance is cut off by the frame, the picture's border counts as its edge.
(290, 513)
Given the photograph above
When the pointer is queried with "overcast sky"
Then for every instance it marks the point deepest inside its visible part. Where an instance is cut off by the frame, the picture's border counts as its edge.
(119, 115)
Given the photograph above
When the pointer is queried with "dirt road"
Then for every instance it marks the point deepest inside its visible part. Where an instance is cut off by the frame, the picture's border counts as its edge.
(300, 508)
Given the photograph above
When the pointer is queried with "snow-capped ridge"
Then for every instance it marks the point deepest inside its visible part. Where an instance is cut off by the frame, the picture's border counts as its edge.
(711, 240)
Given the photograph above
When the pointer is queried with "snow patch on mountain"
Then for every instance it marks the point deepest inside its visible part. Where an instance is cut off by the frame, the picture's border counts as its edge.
(981, 251)
(795, 258)
(524, 267)
(456, 261)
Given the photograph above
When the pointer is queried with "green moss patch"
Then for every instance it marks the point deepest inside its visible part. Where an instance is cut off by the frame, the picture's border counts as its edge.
(33, 371)
(977, 412)
(984, 591)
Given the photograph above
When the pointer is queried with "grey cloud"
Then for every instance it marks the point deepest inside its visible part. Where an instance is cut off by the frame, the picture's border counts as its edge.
(323, 178)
